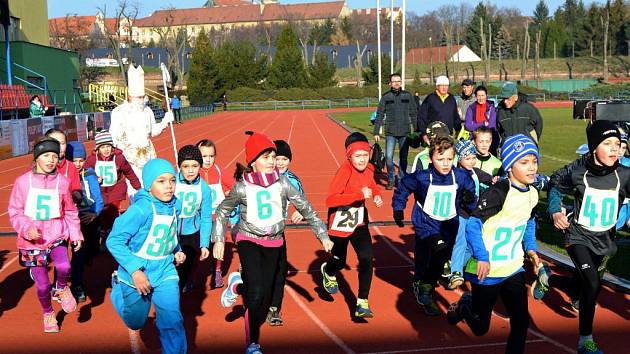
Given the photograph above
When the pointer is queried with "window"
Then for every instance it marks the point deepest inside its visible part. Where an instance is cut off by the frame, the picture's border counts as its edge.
(14, 29)
(150, 55)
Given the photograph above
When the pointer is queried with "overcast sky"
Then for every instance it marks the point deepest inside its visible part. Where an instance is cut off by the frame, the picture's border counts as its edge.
(60, 8)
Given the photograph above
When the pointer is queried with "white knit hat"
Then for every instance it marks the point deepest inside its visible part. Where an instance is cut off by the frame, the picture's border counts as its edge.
(135, 77)
(441, 80)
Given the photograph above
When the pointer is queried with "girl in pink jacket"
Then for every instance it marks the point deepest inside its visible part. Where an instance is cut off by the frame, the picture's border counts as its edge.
(44, 216)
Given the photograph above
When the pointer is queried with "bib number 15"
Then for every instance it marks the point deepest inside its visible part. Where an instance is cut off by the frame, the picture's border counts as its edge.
(107, 173)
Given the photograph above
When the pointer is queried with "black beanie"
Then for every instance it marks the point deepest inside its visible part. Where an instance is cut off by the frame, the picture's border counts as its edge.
(189, 152)
(599, 131)
(283, 149)
(45, 145)
(354, 137)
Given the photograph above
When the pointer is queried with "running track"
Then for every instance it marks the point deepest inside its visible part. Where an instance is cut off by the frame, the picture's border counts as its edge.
(315, 322)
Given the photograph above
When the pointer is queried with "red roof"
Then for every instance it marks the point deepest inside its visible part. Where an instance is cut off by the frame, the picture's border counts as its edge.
(75, 25)
(231, 2)
(243, 13)
(426, 55)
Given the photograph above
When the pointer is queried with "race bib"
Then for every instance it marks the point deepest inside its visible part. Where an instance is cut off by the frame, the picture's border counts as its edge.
(162, 238)
(190, 197)
(216, 192)
(347, 219)
(264, 205)
(106, 170)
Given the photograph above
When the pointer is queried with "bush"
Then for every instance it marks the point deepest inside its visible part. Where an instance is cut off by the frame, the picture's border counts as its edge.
(296, 94)
(247, 94)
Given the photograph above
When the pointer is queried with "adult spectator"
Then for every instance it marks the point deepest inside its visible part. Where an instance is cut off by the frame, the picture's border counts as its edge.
(439, 106)
(36, 107)
(466, 98)
(176, 106)
(517, 117)
(482, 113)
(398, 107)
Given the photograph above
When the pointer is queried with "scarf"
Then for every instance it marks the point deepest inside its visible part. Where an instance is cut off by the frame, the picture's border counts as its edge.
(262, 179)
(480, 113)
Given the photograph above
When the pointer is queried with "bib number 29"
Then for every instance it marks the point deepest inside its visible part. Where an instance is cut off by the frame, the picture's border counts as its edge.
(349, 219)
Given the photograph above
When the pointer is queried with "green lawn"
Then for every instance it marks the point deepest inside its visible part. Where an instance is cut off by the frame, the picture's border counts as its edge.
(561, 137)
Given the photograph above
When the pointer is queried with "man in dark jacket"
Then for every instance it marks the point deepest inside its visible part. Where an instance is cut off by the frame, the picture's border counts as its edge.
(517, 117)
(439, 106)
(397, 112)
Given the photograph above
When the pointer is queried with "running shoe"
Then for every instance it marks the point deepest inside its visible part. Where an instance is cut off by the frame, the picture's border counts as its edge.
(330, 282)
(424, 296)
(589, 347)
(228, 297)
(253, 348)
(363, 309)
(454, 314)
(539, 289)
(218, 279)
(68, 303)
(50, 323)
(274, 318)
(79, 293)
(455, 280)
(575, 304)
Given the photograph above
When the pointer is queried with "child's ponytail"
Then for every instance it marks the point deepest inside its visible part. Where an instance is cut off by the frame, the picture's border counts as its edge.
(241, 170)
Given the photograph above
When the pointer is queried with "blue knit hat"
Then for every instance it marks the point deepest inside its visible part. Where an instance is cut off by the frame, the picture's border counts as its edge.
(153, 169)
(465, 148)
(516, 147)
(74, 150)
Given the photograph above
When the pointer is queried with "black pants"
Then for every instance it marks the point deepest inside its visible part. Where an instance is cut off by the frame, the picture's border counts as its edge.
(430, 255)
(190, 247)
(280, 278)
(177, 114)
(513, 293)
(260, 265)
(584, 284)
(89, 250)
(361, 241)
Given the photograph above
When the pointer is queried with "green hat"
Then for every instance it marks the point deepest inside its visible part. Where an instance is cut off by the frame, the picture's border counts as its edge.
(508, 90)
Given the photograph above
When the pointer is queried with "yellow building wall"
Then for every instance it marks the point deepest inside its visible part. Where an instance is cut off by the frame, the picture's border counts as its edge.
(33, 20)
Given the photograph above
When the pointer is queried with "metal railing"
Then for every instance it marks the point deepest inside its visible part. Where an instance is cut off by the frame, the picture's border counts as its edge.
(300, 104)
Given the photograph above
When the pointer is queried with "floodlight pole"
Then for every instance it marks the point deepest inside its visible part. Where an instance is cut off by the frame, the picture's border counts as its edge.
(378, 41)
(404, 50)
(391, 35)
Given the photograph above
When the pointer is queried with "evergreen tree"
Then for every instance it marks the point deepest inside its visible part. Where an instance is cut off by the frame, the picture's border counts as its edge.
(321, 33)
(370, 74)
(502, 43)
(202, 74)
(541, 13)
(591, 32)
(321, 73)
(238, 65)
(287, 69)
(617, 27)
(473, 36)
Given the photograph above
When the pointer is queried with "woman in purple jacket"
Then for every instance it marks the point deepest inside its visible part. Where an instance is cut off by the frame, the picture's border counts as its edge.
(482, 112)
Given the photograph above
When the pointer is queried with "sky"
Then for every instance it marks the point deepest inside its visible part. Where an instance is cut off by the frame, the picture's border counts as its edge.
(60, 8)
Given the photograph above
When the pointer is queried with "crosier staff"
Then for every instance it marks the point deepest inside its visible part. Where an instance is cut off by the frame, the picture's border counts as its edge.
(166, 78)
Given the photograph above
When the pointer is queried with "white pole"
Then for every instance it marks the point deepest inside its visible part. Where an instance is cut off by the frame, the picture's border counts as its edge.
(391, 37)
(165, 79)
(378, 41)
(404, 50)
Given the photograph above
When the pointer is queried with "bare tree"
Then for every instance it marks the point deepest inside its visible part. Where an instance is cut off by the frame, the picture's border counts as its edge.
(174, 38)
(484, 52)
(526, 43)
(537, 58)
(125, 14)
(69, 33)
(605, 25)
(358, 62)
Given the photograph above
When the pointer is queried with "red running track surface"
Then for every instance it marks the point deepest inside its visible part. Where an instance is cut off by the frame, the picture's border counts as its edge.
(315, 322)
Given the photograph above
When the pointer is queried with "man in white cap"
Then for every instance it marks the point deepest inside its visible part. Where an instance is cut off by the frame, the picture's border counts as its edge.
(439, 106)
(133, 125)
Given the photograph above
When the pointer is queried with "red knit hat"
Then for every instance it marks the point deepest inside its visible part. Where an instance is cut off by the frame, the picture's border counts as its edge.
(255, 145)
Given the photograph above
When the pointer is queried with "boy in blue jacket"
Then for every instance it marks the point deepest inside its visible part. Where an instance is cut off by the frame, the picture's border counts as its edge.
(89, 208)
(144, 243)
(440, 192)
(500, 232)
(196, 215)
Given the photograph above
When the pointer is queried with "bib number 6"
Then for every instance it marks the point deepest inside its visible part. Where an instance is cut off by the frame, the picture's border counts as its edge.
(264, 207)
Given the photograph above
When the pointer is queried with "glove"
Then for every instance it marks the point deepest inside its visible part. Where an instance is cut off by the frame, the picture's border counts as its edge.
(399, 216)
(168, 118)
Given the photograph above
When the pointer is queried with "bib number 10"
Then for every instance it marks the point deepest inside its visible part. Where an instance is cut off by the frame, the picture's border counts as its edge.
(264, 207)
(442, 204)
(606, 211)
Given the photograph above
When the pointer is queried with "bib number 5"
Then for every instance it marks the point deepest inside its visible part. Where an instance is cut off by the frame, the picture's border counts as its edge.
(164, 241)
(43, 207)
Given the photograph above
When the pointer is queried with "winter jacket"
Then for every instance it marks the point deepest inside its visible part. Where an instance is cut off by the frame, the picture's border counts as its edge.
(571, 178)
(67, 226)
(463, 103)
(471, 119)
(92, 199)
(68, 170)
(36, 110)
(433, 109)
(522, 118)
(202, 221)
(418, 185)
(238, 197)
(398, 110)
(123, 169)
(489, 164)
(216, 174)
(128, 234)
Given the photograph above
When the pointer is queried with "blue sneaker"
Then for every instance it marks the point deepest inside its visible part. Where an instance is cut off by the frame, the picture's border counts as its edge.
(424, 296)
(454, 314)
(253, 348)
(329, 282)
(589, 347)
(539, 289)
(363, 309)
(228, 297)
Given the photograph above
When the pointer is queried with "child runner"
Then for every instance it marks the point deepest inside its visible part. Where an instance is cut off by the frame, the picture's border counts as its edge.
(196, 215)
(485, 160)
(89, 209)
(600, 186)
(220, 184)
(352, 185)
(43, 214)
(422, 160)
(461, 253)
(144, 243)
(262, 193)
(501, 230)
(440, 192)
(283, 159)
(65, 167)
(112, 168)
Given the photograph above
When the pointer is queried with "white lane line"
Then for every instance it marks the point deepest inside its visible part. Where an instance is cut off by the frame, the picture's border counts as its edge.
(318, 322)
(454, 347)
(7, 264)
(133, 341)
(506, 319)
(326, 142)
(291, 130)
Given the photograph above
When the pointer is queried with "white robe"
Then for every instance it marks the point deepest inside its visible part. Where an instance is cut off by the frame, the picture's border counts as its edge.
(132, 131)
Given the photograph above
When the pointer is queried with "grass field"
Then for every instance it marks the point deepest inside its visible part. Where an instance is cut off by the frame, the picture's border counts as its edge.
(561, 137)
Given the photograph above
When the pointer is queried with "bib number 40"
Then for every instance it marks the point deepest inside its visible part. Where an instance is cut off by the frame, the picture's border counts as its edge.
(605, 215)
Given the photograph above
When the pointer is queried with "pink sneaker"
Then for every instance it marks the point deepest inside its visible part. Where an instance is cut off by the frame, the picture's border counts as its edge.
(68, 303)
(50, 323)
